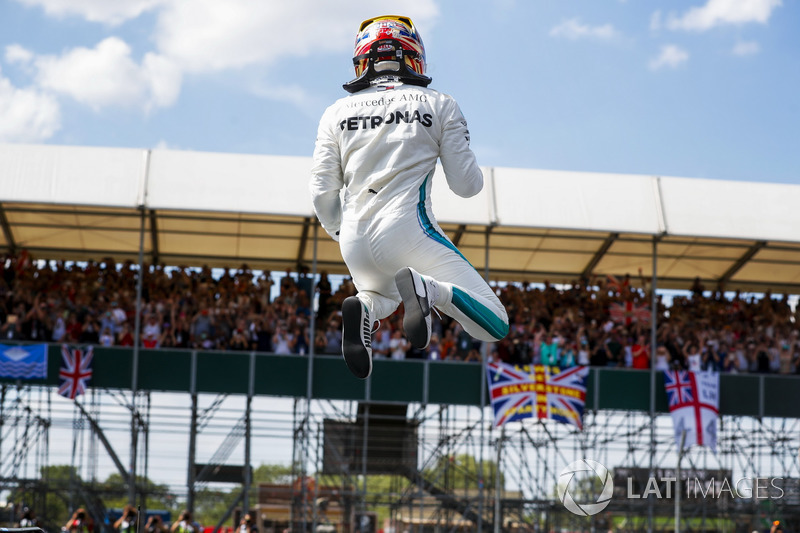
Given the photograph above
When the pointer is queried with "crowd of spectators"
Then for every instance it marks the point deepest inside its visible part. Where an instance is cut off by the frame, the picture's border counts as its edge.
(600, 322)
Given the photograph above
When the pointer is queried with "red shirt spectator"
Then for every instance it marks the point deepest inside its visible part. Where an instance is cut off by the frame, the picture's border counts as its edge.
(641, 354)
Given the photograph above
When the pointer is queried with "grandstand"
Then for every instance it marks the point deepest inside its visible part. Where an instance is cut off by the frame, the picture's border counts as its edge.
(223, 210)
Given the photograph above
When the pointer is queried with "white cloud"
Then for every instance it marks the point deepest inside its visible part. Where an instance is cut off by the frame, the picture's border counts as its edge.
(746, 48)
(670, 56)
(574, 29)
(293, 94)
(655, 21)
(112, 12)
(197, 36)
(164, 145)
(209, 35)
(27, 115)
(17, 54)
(107, 76)
(721, 12)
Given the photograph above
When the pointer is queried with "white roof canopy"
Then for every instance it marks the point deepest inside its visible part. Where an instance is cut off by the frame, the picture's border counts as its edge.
(63, 202)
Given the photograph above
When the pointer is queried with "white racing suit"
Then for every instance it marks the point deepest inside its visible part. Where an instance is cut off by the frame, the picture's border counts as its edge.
(380, 146)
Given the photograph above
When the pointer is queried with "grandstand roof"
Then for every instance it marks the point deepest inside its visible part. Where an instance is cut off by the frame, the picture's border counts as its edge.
(193, 208)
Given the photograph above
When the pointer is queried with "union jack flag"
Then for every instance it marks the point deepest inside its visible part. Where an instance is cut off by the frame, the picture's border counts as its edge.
(628, 312)
(75, 372)
(614, 284)
(678, 387)
(694, 406)
(537, 391)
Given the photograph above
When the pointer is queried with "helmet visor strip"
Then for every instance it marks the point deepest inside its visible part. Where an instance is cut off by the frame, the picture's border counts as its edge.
(404, 20)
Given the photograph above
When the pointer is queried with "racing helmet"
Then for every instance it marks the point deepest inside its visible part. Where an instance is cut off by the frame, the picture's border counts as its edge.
(388, 45)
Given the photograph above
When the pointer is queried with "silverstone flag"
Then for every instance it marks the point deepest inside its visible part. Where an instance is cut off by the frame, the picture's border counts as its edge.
(75, 372)
(693, 399)
(537, 392)
(23, 362)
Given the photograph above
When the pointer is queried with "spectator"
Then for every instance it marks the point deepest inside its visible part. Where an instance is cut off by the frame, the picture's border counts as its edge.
(568, 355)
(381, 340)
(474, 356)
(662, 358)
(184, 524)
(281, 340)
(398, 345)
(106, 338)
(151, 332)
(324, 291)
(712, 361)
(155, 525)
(182, 331)
(246, 525)
(434, 349)
(583, 350)
(691, 353)
(463, 343)
(300, 343)
(640, 353)
(201, 324)
(333, 336)
(11, 329)
(37, 325)
(550, 351)
(79, 522)
(60, 327)
(448, 344)
(126, 523)
(125, 336)
(28, 518)
(261, 337)
(239, 340)
(614, 349)
(748, 334)
(762, 358)
(73, 327)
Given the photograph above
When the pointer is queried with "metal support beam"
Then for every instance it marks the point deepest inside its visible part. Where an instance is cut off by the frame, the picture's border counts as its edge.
(459, 234)
(748, 255)
(589, 268)
(193, 429)
(106, 444)
(301, 248)
(154, 253)
(9, 235)
(653, 340)
(137, 324)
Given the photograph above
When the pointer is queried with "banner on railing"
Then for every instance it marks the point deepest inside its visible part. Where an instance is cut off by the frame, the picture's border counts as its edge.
(76, 370)
(537, 391)
(23, 362)
(693, 399)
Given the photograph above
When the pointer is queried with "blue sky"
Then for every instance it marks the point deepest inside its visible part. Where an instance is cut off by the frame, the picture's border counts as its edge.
(700, 88)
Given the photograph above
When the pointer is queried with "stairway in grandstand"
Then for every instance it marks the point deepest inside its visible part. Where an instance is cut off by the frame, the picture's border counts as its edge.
(466, 507)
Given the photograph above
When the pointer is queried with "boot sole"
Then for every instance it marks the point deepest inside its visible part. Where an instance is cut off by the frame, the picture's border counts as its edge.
(355, 354)
(416, 310)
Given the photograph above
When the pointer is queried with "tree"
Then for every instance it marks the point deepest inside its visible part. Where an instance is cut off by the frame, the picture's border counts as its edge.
(211, 504)
(159, 497)
(52, 496)
(460, 472)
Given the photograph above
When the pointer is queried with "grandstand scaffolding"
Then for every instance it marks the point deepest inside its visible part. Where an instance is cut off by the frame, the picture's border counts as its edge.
(427, 486)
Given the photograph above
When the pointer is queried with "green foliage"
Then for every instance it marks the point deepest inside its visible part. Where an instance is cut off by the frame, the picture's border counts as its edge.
(51, 508)
(271, 473)
(210, 505)
(60, 488)
(158, 496)
(460, 472)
